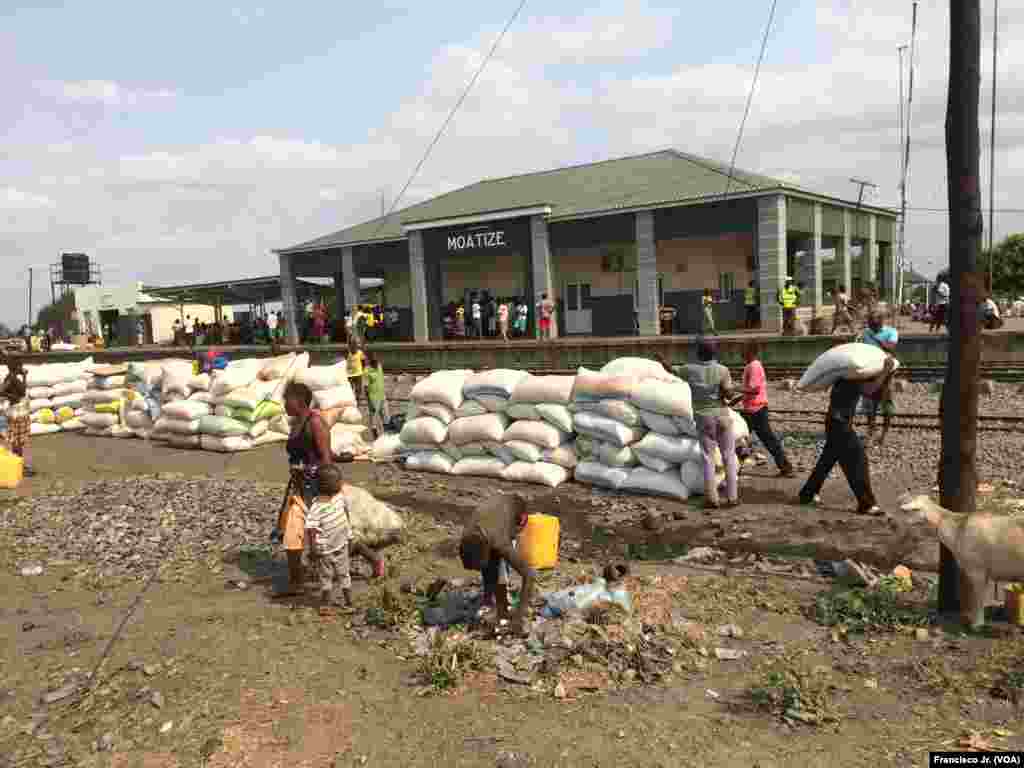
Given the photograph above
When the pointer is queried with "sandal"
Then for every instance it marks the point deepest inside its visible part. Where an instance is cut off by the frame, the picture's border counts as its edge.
(873, 511)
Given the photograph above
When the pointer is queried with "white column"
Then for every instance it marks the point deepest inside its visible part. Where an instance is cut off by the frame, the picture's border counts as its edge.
(816, 287)
(418, 280)
(540, 264)
(349, 278)
(288, 299)
(846, 255)
(771, 255)
(647, 275)
(869, 255)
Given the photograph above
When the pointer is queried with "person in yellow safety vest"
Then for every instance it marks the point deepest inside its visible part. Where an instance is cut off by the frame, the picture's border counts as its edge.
(371, 323)
(750, 302)
(789, 298)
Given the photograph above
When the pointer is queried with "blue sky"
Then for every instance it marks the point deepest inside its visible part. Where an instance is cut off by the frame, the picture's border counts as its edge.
(183, 142)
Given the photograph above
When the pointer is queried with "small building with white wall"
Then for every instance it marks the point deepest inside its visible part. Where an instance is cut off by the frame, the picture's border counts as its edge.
(102, 307)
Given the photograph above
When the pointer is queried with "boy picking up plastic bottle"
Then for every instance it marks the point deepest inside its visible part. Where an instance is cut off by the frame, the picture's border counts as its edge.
(488, 546)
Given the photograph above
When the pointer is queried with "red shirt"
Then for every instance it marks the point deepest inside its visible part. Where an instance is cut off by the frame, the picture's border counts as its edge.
(754, 379)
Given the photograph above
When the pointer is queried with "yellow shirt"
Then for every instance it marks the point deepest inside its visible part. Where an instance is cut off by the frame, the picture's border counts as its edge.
(750, 297)
(371, 320)
(355, 364)
(790, 298)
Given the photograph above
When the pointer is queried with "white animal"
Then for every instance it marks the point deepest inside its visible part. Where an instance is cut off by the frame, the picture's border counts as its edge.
(987, 547)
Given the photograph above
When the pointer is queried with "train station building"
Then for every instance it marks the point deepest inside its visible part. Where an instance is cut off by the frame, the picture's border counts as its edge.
(610, 242)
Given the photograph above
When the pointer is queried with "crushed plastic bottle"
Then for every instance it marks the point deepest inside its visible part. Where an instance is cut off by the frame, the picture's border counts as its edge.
(579, 597)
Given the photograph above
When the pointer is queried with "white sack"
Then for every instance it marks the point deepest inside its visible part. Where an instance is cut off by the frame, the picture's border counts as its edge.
(607, 430)
(95, 396)
(856, 361)
(441, 387)
(280, 424)
(439, 411)
(43, 429)
(468, 408)
(108, 382)
(430, 461)
(592, 473)
(478, 429)
(339, 396)
(666, 398)
(479, 467)
(655, 422)
(38, 405)
(452, 450)
(256, 393)
(258, 429)
(320, 377)
(424, 430)
(96, 432)
(500, 382)
(371, 521)
(351, 415)
(598, 386)
(99, 420)
(386, 446)
(186, 410)
(556, 415)
(522, 412)
(228, 380)
(125, 433)
(492, 403)
(202, 397)
(501, 451)
(619, 410)
(539, 473)
(474, 449)
(544, 389)
(276, 367)
(345, 441)
(231, 444)
(70, 388)
(637, 367)
(267, 438)
(523, 451)
(41, 393)
(643, 480)
(74, 425)
(539, 433)
(564, 456)
(138, 420)
(175, 426)
(613, 456)
(200, 383)
(654, 463)
(674, 450)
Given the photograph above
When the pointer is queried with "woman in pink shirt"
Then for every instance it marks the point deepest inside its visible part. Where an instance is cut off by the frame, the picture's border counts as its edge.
(755, 408)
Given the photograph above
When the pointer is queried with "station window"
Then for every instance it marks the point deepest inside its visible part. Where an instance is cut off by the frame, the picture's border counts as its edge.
(661, 293)
(726, 285)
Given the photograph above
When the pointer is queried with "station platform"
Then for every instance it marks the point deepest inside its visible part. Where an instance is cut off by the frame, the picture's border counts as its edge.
(917, 349)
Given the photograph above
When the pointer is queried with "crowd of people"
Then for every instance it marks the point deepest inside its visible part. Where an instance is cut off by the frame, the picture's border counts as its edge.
(496, 317)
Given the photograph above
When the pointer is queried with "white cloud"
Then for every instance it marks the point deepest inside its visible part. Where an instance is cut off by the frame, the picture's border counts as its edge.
(212, 210)
(14, 199)
(105, 93)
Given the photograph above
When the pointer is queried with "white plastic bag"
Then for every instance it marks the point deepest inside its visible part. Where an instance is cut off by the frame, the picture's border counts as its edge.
(430, 461)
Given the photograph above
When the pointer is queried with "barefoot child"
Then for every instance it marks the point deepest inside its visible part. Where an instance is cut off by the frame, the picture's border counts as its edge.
(327, 526)
(488, 546)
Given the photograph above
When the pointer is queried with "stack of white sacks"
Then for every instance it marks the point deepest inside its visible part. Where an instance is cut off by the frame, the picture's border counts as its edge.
(540, 435)
(334, 397)
(436, 402)
(55, 393)
(105, 400)
(637, 431)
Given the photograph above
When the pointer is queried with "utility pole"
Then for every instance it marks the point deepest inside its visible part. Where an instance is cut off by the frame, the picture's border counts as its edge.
(992, 145)
(30, 298)
(958, 475)
(862, 183)
(903, 190)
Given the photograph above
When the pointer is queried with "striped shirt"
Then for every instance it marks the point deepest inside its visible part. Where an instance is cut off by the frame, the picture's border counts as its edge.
(328, 519)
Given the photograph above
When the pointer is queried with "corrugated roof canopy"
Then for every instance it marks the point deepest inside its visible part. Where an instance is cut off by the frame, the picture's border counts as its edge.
(651, 180)
(228, 293)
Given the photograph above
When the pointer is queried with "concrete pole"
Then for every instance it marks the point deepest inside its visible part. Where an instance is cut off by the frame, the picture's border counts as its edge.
(647, 275)
(418, 281)
(771, 249)
(289, 299)
(816, 288)
(541, 265)
(847, 255)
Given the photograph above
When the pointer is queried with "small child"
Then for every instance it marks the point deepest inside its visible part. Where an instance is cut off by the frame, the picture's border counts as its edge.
(375, 394)
(327, 525)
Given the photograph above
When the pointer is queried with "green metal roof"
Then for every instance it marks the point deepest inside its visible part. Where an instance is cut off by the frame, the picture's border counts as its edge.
(651, 180)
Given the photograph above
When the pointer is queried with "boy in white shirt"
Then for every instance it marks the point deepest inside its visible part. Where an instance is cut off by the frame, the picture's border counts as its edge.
(327, 525)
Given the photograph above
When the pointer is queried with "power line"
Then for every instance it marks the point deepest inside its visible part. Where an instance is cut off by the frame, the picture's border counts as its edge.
(979, 210)
(750, 98)
(451, 114)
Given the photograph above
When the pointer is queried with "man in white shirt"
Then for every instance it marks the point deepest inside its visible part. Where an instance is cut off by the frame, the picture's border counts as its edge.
(939, 318)
(478, 318)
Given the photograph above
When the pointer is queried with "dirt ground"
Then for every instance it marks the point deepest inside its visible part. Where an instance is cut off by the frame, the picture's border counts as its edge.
(247, 681)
